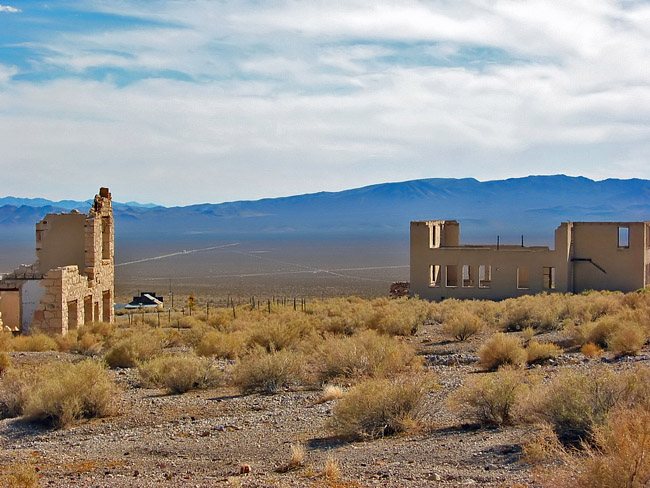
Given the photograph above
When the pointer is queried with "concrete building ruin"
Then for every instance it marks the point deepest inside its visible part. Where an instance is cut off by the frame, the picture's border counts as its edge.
(587, 255)
(72, 281)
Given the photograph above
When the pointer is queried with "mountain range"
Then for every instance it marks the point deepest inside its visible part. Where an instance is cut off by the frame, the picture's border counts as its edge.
(531, 206)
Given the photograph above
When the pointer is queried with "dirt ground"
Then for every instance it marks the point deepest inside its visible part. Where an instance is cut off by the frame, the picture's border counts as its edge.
(205, 438)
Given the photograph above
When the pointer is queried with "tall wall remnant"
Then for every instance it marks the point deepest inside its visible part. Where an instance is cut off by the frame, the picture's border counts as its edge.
(587, 255)
(72, 281)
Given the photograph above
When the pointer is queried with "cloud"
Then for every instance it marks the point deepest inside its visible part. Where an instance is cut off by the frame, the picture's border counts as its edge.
(7, 8)
(241, 100)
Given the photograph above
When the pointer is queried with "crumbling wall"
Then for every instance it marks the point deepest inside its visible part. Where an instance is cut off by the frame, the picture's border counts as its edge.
(75, 271)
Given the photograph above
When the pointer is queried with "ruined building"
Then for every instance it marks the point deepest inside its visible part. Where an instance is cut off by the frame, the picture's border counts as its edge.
(587, 255)
(72, 281)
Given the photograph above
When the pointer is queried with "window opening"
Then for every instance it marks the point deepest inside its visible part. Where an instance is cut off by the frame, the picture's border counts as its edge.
(523, 278)
(452, 275)
(434, 275)
(623, 237)
(88, 310)
(484, 276)
(106, 238)
(432, 236)
(468, 276)
(72, 315)
(106, 306)
(549, 278)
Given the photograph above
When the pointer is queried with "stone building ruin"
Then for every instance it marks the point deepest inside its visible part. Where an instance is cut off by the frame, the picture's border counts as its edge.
(72, 281)
(587, 256)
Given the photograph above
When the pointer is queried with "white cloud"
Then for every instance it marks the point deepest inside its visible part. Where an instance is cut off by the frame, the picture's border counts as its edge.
(288, 97)
(7, 8)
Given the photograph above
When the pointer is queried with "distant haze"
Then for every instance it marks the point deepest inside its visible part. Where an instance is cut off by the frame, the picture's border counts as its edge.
(354, 240)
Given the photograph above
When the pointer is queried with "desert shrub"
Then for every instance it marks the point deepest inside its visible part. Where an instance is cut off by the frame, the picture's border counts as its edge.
(618, 333)
(618, 458)
(574, 403)
(267, 371)
(105, 330)
(221, 344)
(543, 312)
(276, 333)
(66, 342)
(378, 407)
(527, 333)
(331, 392)
(6, 338)
(190, 336)
(331, 469)
(461, 325)
(538, 352)
(89, 344)
(397, 317)
(139, 344)
(501, 349)
(490, 398)
(37, 342)
(5, 362)
(591, 350)
(627, 339)
(65, 392)
(15, 386)
(178, 373)
(20, 475)
(366, 353)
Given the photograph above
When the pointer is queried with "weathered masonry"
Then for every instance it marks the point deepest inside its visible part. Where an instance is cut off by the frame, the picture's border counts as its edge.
(72, 281)
(587, 255)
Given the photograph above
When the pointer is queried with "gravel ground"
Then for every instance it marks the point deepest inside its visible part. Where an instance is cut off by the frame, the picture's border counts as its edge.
(205, 438)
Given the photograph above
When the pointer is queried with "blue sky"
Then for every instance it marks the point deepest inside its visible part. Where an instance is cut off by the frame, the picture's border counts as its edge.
(181, 102)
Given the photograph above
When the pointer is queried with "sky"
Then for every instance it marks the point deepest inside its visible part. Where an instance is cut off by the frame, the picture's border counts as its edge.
(180, 102)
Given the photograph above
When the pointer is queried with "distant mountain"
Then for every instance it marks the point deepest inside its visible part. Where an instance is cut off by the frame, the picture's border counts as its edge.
(533, 206)
(66, 205)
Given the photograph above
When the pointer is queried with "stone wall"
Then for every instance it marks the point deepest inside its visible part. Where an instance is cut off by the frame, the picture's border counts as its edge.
(78, 252)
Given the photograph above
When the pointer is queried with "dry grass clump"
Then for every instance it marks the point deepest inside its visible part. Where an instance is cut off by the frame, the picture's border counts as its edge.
(622, 333)
(331, 392)
(397, 317)
(15, 386)
(178, 373)
(541, 312)
(332, 469)
(221, 344)
(366, 353)
(37, 342)
(461, 325)
(64, 392)
(538, 352)
(501, 349)
(267, 371)
(490, 398)
(379, 407)
(276, 333)
(137, 344)
(618, 457)
(20, 475)
(5, 362)
(296, 461)
(591, 350)
(627, 339)
(575, 403)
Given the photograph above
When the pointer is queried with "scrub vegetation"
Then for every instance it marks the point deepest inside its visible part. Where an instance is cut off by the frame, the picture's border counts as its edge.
(566, 375)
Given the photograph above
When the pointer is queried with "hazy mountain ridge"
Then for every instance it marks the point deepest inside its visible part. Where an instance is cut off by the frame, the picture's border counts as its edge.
(533, 205)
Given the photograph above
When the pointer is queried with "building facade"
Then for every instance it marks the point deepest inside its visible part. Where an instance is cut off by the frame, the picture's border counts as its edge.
(587, 255)
(72, 281)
